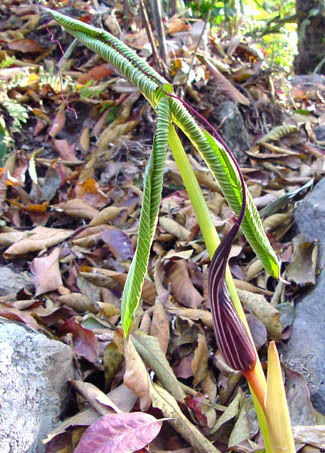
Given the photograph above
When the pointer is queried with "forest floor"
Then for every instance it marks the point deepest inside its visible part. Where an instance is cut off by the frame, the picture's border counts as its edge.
(71, 190)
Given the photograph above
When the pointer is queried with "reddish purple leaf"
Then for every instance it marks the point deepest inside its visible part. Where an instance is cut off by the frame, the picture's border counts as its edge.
(17, 315)
(122, 433)
(84, 340)
(119, 244)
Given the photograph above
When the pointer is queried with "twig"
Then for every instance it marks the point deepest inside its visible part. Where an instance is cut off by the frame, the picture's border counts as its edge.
(157, 15)
(150, 36)
(196, 49)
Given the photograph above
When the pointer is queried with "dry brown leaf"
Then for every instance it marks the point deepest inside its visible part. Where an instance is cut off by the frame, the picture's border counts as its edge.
(97, 73)
(79, 302)
(123, 397)
(105, 215)
(254, 269)
(84, 418)
(136, 376)
(114, 132)
(160, 325)
(204, 177)
(311, 435)
(65, 151)
(195, 314)
(148, 293)
(225, 86)
(113, 358)
(87, 242)
(18, 315)
(170, 409)
(11, 237)
(78, 208)
(118, 243)
(58, 123)
(47, 276)
(97, 399)
(108, 310)
(176, 24)
(39, 238)
(171, 226)
(209, 386)
(84, 139)
(149, 349)
(275, 220)
(302, 269)
(25, 46)
(240, 284)
(182, 286)
(88, 190)
(200, 361)
(264, 311)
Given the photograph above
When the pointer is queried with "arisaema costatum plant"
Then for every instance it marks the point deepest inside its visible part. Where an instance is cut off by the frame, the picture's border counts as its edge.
(231, 329)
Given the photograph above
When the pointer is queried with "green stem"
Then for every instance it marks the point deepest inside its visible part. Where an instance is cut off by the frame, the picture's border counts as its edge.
(212, 241)
(208, 229)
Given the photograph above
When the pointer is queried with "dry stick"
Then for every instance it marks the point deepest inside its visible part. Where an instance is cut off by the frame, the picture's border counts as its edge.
(157, 15)
(56, 41)
(196, 49)
(150, 36)
(173, 5)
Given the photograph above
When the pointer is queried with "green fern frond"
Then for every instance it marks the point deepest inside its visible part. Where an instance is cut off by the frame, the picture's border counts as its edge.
(7, 62)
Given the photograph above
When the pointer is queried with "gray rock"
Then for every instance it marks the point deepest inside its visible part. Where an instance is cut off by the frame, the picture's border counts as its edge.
(34, 371)
(305, 351)
(12, 282)
(310, 217)
(233, 129)
(320, 133)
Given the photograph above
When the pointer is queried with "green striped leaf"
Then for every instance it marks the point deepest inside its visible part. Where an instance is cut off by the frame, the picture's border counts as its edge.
(111, 49)
(223, 169)
(153, 185)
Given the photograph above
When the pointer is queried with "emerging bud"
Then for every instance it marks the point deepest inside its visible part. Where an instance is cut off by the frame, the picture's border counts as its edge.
(231, 335)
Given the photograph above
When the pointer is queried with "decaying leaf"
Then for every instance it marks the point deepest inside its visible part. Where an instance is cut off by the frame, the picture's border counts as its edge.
(84, 340)
(47, 276)
(149, 348)
(78, 208)
(18, 315)
(83, 418)
(311, 435)
(230, 413)
(119, 243)
(79, 302)
(264, 311)
(302, 269)
(96, 398)
(182, 286)
(136, 376)
(106, 215)
(200, 361)
(246, 425)
(58, 123)
(226, 87)
(169, 407)
(113, 359)
(38, 239)
(171, 226)
(194, 314)
(160, 325)
(25, 45)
